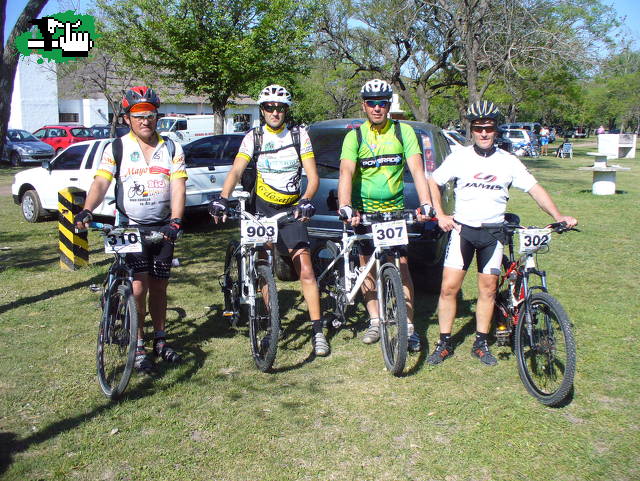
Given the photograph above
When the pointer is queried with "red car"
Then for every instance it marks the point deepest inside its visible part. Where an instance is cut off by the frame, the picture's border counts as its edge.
(62, 136)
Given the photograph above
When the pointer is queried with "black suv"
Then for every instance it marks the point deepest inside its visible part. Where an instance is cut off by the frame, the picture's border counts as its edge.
(426, 248)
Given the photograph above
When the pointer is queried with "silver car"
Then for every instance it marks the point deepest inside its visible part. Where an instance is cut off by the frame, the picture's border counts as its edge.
(21, 147)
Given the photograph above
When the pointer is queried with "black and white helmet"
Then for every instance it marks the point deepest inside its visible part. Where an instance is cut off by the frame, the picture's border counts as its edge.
(275, 93)
(375, 89)
(482, 109)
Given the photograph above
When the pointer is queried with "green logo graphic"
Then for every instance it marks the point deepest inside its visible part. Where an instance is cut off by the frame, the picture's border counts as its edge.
(61, 37)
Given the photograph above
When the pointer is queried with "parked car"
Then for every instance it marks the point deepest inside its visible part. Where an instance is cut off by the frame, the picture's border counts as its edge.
(62, 136)
(36, 190)
(520, 142)
(455, 140)
(577, 132)
(427, 241)
(530, 126)
(185, 128)
(103, 131)
(21, 148)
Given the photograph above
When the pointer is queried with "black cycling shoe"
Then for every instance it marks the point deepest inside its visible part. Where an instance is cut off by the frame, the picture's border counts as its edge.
(165, 351)
(442, 351)
(143, 363)
(481, 351)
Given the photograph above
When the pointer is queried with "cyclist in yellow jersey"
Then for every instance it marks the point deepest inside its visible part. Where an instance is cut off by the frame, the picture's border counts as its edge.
(371, 180)
(278, 166)
(146, 161)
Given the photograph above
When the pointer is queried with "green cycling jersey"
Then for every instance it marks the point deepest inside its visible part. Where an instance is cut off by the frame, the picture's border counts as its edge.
(378, 184)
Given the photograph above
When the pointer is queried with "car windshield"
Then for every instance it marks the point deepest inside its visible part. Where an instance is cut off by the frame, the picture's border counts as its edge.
(100, 132)
(81, 132)
(515, 134)
(164, 125)
(21, 136)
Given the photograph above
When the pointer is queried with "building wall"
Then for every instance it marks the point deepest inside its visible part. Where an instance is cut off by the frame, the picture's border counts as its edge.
(35, 95)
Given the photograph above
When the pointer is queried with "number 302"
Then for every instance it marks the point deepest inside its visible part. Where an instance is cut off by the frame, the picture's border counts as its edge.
(536, 240)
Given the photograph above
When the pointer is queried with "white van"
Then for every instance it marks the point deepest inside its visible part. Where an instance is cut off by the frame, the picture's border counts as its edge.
(185, 128)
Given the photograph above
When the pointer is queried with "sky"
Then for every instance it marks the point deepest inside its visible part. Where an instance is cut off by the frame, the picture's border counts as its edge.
(628, 8)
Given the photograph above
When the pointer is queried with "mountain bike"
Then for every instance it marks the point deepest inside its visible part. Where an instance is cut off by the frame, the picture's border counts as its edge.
(339, 277)
(530, 319)
(248, 282)
(118, 330)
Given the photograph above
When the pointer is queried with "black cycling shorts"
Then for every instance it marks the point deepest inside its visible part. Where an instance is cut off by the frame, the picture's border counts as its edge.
(293, 235)
(155, 259)
(366, 247)
(486, 244)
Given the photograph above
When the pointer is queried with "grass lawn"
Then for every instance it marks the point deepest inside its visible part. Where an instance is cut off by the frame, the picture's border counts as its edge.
(215, 417)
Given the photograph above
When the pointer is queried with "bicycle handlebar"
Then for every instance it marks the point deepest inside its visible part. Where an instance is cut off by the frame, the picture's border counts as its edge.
(153, 236)
(511, 227)
(368, 218)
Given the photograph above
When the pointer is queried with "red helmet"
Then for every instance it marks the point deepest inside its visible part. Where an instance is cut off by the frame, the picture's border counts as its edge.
(139, 95)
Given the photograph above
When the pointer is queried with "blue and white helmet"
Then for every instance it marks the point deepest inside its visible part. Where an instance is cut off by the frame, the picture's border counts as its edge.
(275, 93)
(376, 89)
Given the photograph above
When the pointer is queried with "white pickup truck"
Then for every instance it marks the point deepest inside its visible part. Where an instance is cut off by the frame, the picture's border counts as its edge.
(36, 190)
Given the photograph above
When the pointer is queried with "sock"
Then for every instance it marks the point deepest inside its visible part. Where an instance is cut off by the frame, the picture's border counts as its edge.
(374, 321)
(445, 337)
(316, 326)
(481, 337)
(410, 329)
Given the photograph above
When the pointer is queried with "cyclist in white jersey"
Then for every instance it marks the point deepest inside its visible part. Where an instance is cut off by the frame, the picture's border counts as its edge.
(150, 194)
(277, 188)
(483, 175)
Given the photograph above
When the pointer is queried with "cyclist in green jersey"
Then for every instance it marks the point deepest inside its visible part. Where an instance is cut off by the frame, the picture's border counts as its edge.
(371, 180)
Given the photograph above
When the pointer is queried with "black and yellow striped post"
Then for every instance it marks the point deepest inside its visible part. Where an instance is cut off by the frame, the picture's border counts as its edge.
(74, 248)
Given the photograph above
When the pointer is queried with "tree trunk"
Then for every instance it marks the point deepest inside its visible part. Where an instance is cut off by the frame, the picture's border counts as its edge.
(9, 62)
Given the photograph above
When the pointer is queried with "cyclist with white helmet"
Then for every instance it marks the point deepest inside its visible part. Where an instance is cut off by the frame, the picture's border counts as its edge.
(157, 165)
(372, 166)
(280, 156)
(483, 175)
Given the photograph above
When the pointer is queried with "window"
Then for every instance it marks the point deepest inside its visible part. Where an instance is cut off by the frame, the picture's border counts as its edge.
(181, 125)
(92, 154)
(80, 132)
(68, 117)
(206, 152)
(40, 134)
(70, 159)
(231, 150)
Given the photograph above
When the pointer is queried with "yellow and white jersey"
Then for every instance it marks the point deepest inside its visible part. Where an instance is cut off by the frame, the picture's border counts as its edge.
(145, 193)
(278, 165)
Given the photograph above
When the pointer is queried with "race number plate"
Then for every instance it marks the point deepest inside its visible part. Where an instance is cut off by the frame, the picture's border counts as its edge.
(126, 241)
(259, 232)
(388, 234)
(534, 239)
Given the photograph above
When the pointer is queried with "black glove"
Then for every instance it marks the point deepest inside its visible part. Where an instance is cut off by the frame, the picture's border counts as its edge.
(305, 208)
(172, 230)
(83, 217)
(218, 207)
(426, 209)
(346, 212)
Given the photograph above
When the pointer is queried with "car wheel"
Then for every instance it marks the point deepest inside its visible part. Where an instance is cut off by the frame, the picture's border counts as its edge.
(15, 159)
(31, 208)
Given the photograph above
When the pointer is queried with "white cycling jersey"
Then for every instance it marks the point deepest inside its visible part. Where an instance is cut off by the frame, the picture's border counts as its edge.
(482, 183)
(146, 193)
(278, 180)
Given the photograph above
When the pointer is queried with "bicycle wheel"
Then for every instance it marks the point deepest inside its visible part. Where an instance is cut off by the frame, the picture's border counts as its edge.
(231, 284)
(264, 326)
(547, 357)
(117, 341)
(393, 321)
(333, 301)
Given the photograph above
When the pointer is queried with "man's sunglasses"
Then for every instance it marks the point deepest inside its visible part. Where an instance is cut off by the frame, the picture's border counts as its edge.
(141, 117)
(487, 128)
(374, 103)
(275, 108)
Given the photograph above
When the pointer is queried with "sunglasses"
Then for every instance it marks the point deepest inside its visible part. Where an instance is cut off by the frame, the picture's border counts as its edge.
(375, 103)
(141, 117)
(487, 128)
(275, 108)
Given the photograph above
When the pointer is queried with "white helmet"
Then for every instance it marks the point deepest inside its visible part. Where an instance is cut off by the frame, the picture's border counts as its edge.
(376, 88)
(275, 93)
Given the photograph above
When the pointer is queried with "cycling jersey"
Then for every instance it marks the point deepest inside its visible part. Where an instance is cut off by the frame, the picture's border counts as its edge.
(482, 183)
(378, 184)
(145, 193)
(278, 165)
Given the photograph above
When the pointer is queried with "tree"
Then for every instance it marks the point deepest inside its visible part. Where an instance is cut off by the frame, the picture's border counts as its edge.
(217, 49)
(10, 59)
